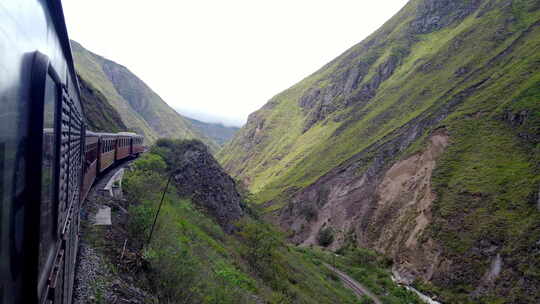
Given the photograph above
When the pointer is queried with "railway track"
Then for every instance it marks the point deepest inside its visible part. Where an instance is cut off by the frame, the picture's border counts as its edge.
(353, 285)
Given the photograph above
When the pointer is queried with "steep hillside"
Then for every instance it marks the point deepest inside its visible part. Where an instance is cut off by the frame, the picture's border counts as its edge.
(220, 133)
(99, 114)
(207, 246)
(140, 108)
(421, 142)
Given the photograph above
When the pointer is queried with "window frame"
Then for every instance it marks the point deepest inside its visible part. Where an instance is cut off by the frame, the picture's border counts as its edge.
(35, 276)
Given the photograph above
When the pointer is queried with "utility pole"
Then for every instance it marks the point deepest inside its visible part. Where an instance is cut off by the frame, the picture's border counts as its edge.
(159, 208)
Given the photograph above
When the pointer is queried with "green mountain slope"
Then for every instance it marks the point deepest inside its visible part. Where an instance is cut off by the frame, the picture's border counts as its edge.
(99, 114)
(209, 246)
(220, 133)
(140, 108)
(421, 142)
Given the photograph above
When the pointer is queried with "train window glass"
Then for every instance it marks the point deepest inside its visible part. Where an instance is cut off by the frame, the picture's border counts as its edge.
(47, 215)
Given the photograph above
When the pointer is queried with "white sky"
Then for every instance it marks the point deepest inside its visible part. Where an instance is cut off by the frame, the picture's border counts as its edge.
(219, 60)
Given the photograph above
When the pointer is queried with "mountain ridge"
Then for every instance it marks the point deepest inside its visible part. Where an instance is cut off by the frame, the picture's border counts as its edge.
(219, 132)
(141, 109)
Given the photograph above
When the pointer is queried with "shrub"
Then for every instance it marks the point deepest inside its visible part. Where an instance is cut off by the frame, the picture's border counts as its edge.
(326, 236)
(151, 162)
(261, 245)
(366, 300)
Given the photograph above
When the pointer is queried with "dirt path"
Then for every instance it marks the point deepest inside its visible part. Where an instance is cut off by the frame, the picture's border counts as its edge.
(356, 287)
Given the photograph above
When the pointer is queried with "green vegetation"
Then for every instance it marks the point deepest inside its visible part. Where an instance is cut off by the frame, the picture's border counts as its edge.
(326, 236)
(287, 158)
(191, 260)
(494, 172)
(89, 67)
(368, 268)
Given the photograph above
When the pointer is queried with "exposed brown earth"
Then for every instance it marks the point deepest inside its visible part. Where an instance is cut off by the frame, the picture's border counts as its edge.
(387, 211)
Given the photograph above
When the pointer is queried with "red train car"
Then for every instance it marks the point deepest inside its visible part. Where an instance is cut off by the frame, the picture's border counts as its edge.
(90, 168)
(107, 151)
(137, 146)
(123, 145)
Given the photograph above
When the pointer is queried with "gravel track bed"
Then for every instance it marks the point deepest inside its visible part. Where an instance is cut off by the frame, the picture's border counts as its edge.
(94, 281)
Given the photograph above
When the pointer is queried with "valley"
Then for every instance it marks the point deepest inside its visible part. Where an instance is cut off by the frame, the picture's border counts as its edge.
(420, 142)
(410, 160)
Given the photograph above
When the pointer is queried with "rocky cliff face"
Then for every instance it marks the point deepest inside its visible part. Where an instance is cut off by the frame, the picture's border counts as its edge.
(199, 176)
(420, 142)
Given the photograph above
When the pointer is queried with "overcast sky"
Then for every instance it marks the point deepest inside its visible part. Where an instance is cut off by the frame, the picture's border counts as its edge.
(221, 60)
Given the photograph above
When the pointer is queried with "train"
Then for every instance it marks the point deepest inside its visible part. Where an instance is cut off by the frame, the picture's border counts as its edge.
(48, 157)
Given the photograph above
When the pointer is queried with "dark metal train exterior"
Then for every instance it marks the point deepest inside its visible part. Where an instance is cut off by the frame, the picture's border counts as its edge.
(48, 160)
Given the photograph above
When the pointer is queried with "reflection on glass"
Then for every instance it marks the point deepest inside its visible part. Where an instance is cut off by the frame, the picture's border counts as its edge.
(47, 182)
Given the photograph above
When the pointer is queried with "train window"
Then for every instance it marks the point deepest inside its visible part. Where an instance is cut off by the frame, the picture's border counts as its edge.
(48, 218)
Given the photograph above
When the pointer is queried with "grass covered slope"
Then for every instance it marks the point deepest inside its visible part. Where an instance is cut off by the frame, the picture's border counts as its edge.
(411, 66)
(89, 68)
(190, 258)
(470, 68)
(140, 108)
(99, 114)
